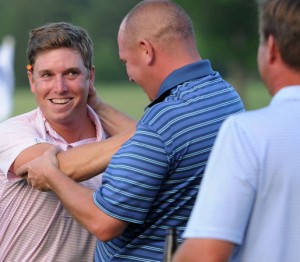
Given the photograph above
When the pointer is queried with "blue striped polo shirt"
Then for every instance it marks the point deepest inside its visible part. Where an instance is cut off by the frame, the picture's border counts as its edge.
(153, 180)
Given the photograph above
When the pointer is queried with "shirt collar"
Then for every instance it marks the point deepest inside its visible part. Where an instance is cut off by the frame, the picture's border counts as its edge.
(181, 75)
(287, 93)
(93, 116)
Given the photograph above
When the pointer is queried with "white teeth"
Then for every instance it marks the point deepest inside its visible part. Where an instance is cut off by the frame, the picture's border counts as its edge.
(60, 100)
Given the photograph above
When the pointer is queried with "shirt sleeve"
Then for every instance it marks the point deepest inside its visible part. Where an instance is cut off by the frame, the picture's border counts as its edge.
(16, 136)
(227, 192)
(133, 177)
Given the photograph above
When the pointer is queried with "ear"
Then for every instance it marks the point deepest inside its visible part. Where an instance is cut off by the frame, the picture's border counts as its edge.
(31, 81)
(273, 51)
(92, 75)
(91, 80)
(147, 51)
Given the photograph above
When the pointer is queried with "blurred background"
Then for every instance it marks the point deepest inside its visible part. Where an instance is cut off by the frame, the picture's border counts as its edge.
(226, 32)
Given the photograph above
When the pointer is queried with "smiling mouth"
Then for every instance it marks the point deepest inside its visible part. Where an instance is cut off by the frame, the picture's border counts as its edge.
(60, 101)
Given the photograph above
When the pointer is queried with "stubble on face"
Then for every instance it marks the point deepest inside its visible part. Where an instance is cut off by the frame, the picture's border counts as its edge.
(61, 84)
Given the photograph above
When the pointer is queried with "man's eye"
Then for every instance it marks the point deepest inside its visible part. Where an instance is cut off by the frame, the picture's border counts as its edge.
(72, 74)
(46, 75)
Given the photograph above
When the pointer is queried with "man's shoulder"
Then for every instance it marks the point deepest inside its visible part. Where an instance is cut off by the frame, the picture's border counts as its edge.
(254, 117)
(25, 117)
(22, 124)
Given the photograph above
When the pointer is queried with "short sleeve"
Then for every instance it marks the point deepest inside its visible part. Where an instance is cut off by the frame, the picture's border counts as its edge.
(227, 193)
(133, 177)
(16, 136)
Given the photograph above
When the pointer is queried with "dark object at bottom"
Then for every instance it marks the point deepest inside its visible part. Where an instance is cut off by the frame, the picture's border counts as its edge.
(170, 244)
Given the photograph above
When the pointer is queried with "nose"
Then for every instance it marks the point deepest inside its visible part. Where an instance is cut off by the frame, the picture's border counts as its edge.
(60, 85)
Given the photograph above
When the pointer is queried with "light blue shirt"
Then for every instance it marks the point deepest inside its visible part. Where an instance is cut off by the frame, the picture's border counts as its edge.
(250, 194)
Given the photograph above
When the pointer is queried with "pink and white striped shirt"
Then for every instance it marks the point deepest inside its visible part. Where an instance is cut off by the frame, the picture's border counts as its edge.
(34, 226)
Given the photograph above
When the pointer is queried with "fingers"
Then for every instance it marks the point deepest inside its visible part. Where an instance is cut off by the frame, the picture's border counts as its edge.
(23, 170)
(92, 90)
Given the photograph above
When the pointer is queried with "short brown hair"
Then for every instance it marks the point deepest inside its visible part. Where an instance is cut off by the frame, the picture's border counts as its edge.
(58, 35)
(281, 19)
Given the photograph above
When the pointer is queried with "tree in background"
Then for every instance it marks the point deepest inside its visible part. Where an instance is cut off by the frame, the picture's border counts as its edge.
(225, 30)
(227, 34)
(100, 17)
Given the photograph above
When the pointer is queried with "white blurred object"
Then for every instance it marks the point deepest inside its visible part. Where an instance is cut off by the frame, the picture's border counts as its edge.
(7, 76)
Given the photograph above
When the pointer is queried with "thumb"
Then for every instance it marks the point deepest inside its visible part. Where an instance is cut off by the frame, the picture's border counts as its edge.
(51, 155)
(53, 150)
(23, 170)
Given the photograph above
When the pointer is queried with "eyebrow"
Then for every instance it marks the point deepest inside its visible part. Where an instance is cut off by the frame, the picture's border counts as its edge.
(77, 69)
(43, 71)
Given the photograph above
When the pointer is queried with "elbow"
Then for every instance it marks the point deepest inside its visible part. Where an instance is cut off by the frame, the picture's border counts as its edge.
(103, 226)
(106, 232)
(105, 238)
(103, 234)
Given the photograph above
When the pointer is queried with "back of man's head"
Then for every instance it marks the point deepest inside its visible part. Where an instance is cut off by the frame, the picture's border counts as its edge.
(160, 21)
(281, 19)
(60, 35)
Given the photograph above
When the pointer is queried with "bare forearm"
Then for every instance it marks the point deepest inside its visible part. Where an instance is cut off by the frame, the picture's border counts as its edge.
(203, 250)
(113, 120)
(88, 160)
(43, 174)
(76, 199)
(29, 154)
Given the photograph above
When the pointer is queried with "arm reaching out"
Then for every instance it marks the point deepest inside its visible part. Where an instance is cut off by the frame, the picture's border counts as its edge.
(43, 174)
(40, 182)
(114, 121)
(96, 157)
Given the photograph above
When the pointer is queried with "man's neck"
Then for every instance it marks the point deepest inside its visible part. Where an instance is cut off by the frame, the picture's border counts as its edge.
(75, 131)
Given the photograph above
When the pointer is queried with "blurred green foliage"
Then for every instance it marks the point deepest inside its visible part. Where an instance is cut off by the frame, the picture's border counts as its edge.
(129, 98)
(226, 32)
(100, 18)
(125, 96)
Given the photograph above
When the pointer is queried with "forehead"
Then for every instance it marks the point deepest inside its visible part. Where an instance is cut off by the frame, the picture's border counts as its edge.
(56, 58)
(121, 40)
(125, 45)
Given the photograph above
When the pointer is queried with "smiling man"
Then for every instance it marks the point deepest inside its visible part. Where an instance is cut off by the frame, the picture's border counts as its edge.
(34, 225)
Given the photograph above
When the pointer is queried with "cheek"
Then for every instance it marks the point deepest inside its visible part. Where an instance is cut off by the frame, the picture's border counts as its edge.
(84, 89)
(37, 91)
(260, 59)
(129, 72)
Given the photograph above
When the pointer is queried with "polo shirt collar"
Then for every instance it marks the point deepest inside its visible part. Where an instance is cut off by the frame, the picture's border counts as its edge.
(287, 93)
(92, 115)
(189, 72)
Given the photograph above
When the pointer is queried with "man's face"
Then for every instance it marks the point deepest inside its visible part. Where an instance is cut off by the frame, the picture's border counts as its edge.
(128, 57)
(61, 82)
(133, 58)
